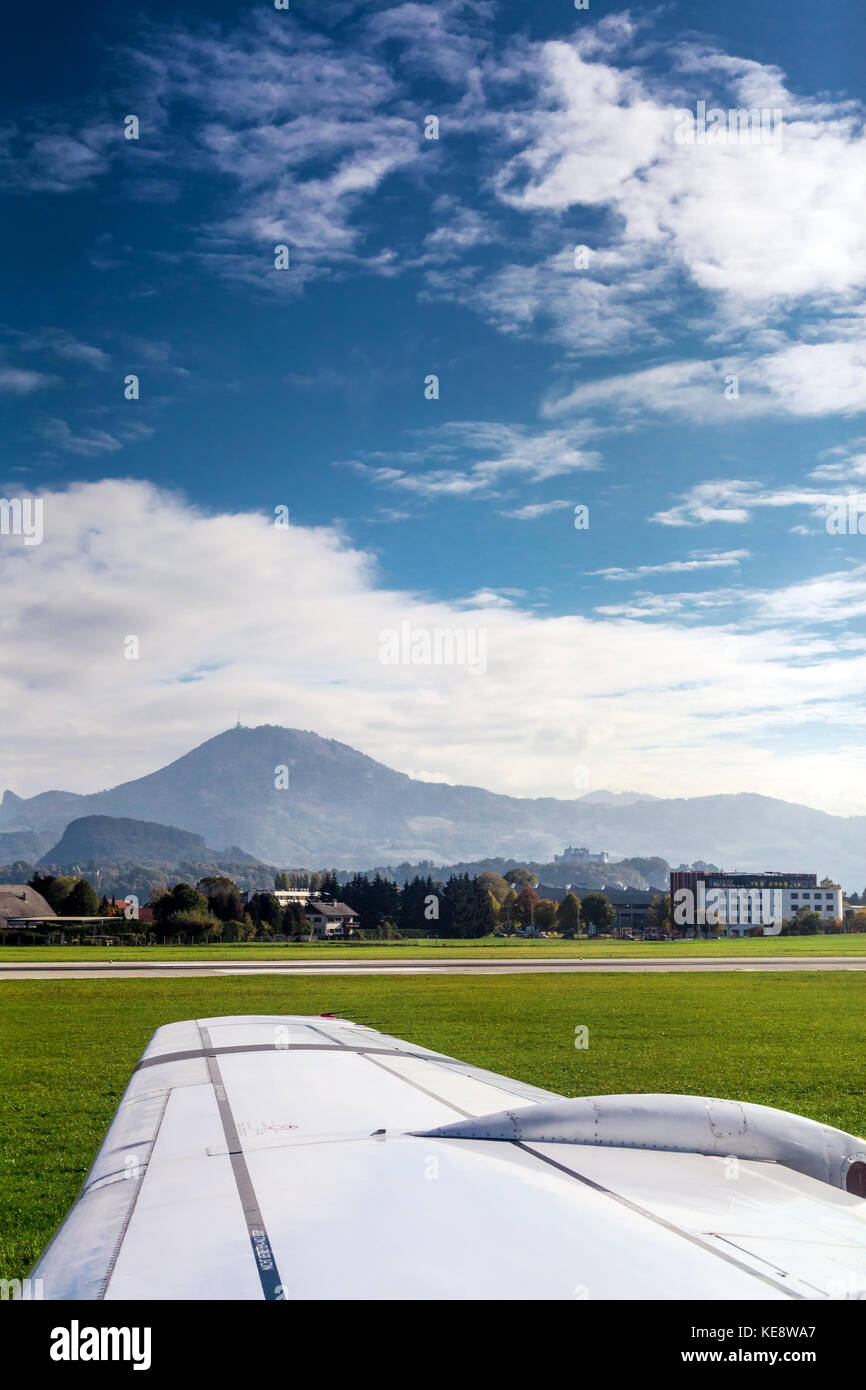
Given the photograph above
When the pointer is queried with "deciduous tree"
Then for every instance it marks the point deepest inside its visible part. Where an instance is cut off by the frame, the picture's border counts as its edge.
(597, 911)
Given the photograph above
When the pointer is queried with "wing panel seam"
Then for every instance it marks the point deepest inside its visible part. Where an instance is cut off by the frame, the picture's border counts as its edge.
(659, 1220)
(263, 1253)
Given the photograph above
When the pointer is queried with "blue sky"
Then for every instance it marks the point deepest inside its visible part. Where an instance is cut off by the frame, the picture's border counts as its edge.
(704, 633)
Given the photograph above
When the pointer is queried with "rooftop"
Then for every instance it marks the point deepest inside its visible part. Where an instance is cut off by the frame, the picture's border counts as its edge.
(332, 909)
(20, 900)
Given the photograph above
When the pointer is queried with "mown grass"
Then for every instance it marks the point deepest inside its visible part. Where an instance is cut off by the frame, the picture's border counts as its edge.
(845, 944)
(793, 1041)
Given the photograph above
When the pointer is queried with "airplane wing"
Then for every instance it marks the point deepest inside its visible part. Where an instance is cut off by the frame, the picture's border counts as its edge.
(314, 1158)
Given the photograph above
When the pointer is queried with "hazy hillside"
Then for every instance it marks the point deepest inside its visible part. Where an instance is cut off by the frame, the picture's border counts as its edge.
(26, 845)
(119, 840)
(604, 798)
(627, 873)
(344, 809)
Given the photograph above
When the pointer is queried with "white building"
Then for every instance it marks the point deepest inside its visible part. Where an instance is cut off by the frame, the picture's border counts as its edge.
(740, 902)
(331, 919)
(284, 896)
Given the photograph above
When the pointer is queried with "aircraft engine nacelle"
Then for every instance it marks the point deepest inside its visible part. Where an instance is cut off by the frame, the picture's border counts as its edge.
(681, 1124)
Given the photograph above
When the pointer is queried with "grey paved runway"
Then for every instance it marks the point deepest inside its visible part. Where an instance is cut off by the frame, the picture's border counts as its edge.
(109, 969)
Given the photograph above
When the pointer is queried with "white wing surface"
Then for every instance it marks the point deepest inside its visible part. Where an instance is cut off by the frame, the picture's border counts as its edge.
(291, 1158)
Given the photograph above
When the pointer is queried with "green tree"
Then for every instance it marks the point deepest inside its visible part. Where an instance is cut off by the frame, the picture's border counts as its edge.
(375, 902)
(265, 910)
(54, 889)
(521, 878)
(524, 908)
(199, 924)
(597, 912)
(182, 898)
(294, 924)
(237, 931)
(487, 908)
(181, 910)
(495, 884)
(415, 905)
(545, 914)
(461, 908)
(659, 913)
(807, 921)
(223, 897)
(496, 912)
(568, 915)
(81, 901)
(329, 885)
(384, 901)
(508, 914)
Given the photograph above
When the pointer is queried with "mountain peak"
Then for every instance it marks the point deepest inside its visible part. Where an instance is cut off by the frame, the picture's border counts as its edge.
(293, 798)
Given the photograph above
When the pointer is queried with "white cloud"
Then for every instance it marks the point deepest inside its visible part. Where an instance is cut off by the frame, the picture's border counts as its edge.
(592, 127)
(826, 598)
(845, 462)
(437, 482)
(301, 129)
(448, 38)
(600, 135)
(62, 344)
(90, 443)
(806, 379)
(820, 601)
(733, 500)
(285, 626)
(531, 456)
(685, 607)
(698, 560)
(603, 309)
(19, 381)
(43, 157)
(458, 229)
(533, 510)
(304, 128)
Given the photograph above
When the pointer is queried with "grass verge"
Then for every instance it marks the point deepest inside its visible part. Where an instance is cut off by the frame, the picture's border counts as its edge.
(853, 944)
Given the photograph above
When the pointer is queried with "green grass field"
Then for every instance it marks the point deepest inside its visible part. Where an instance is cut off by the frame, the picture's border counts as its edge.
(793, 1041)
(845, 944)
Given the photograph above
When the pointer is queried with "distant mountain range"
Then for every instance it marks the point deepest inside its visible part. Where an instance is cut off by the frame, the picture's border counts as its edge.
(604, 798)
(292, 798)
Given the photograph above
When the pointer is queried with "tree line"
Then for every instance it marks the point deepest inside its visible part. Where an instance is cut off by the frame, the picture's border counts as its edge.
(459, 907)
(463, 906)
